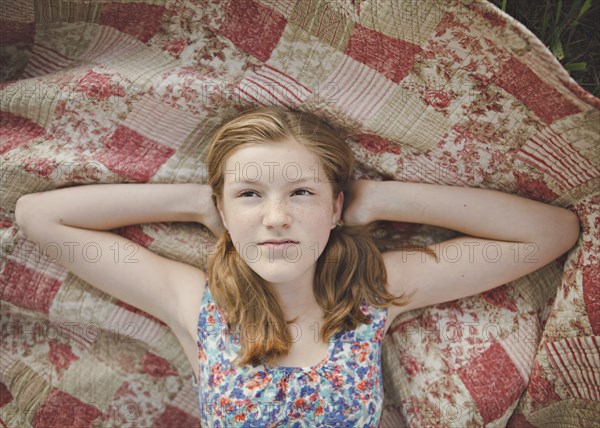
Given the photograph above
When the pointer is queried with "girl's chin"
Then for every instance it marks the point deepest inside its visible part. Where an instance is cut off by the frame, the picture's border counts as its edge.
(279, 272)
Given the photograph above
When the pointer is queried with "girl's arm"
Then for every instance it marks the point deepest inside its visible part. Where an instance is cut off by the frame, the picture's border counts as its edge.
(507, 236)
(109, 206)
(69, 227)
(483, 213)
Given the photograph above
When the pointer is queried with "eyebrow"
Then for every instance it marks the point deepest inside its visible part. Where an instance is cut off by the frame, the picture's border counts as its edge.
(300, 180)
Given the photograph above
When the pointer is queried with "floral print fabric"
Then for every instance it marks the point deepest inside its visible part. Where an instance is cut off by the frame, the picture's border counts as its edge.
(343, 390)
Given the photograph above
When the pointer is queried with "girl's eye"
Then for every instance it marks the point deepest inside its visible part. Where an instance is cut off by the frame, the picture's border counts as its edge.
(249, 192)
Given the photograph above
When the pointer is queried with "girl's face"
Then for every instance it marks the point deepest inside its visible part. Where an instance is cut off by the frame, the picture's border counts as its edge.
(278, 191)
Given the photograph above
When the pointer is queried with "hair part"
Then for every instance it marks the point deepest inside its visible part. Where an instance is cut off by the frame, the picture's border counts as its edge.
(350, 269)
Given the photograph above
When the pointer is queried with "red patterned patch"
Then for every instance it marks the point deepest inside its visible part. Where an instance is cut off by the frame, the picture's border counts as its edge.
(540, 390)
(138, 311)
(60, 355)
(545, 101)
(591, 295)
(98, 86)
(519, 421)
(16, 130)
(64, 410)
(174, 417)
(493, 381)
(391, 57)
(377, 144)
(132, 155)
(489, 13)
(27, 288)
(140, 20)
(252, 27)
(533, 188)
(157, 366)
(499, 297)
(5, 395)
(136, 234)
(17, 32)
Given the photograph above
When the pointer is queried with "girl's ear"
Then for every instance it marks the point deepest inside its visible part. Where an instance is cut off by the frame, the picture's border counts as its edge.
(337, 207)
(221, 214)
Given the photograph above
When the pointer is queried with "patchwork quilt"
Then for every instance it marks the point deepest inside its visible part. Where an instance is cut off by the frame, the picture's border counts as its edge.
(448, 92)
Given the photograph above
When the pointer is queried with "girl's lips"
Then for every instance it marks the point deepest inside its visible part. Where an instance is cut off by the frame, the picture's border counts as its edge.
(278, 244)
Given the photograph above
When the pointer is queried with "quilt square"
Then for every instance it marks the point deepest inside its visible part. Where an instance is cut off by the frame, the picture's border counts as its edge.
(57, 11)
(109, 44)
(357, 90)
(141, 20)
(17, 32)
(304, 57)
(161, 123)
(576, 360)
(399, 19)
(390, 56)
(545, 101)
(27, 288)
(61, 409)
(493, 390)
(252, 27)
(269, 86)
(547, 151)
(126, 147)
(405, 118)
(44, 61)
(323, 22)
(283, 7)
(16, 130)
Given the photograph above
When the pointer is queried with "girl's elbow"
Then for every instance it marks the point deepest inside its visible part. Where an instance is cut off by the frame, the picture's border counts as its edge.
(570, 230)
(23, 210)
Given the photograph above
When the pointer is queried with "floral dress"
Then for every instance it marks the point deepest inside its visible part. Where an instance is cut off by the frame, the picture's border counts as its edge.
(343, 390)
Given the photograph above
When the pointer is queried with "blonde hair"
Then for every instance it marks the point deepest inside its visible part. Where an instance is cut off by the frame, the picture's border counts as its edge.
(349, 270)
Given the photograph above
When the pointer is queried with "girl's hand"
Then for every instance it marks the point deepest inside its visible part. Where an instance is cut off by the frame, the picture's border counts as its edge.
(208, 215)
(356, 210)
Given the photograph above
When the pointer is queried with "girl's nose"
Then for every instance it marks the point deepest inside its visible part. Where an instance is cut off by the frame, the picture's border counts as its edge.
(276, 215)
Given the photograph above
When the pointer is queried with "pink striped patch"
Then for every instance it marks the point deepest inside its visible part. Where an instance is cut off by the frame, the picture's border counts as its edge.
(159, 122)
(44, 61)
(126, 325)
(550, 153)
(358, 90)
(521, 347)
(110, 44)
(577, 361)
(269, 86)
(187, 397)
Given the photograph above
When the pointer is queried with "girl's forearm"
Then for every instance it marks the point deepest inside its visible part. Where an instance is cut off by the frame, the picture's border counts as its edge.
(109, 206)
(487, 214)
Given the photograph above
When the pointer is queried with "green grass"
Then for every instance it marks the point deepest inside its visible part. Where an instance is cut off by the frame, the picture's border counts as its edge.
(569, 28)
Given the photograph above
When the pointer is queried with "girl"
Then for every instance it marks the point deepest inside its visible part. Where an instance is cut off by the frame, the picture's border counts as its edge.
(286, 325)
